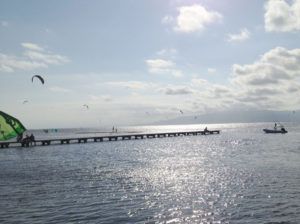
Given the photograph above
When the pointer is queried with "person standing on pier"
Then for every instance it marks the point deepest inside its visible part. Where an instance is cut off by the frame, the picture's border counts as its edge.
(20, 137)
(32, 140)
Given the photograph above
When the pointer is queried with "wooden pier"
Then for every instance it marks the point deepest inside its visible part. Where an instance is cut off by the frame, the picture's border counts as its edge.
(107, 138)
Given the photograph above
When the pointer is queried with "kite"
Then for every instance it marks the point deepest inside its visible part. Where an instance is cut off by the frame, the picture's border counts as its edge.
(39, 77)
(10, 127)
(85, 105)
(25, 101)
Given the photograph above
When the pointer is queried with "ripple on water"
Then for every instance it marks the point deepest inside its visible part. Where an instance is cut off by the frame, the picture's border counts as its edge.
(235, 177)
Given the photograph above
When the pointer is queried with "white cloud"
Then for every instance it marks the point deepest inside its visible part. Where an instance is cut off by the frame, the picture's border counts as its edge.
(272, 82)
(280, 16)
(275, 66)
(32, 46)
(10, 63)
(219, 91)
(242, 36)
(211, 70)
(195, 18)
(34, 57)
(47, 58)
(198, 82)
(160, 66)
(155, 65)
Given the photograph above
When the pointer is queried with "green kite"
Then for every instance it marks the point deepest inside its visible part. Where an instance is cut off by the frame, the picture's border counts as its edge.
(10, 127)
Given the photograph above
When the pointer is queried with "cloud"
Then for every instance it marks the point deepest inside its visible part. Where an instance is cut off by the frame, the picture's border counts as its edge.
(177, 90)
(32, 46)
(280, 16)
(272, 82)
(217, 92)
(255, 99)
(199, 82)
(11, 63)
(167, 52)
(34, 57)
(160, 66)
(279, 64)
(294, 87)
(107, 98)
(47, 58)
(240, 37)
(211, 70)
(195, 18)
(156, 65)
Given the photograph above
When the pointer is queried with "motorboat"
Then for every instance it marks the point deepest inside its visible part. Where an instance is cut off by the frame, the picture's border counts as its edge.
(275, 131)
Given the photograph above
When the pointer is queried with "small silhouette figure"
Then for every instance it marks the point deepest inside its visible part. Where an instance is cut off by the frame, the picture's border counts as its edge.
(20, 137)
(32, 140)
(26, 141)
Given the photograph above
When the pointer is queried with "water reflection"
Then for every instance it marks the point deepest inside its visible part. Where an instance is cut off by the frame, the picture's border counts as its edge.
(238, 176)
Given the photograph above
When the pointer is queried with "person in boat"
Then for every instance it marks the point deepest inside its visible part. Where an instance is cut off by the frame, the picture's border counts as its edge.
(283, 129)
(205, 129)
(275, 126)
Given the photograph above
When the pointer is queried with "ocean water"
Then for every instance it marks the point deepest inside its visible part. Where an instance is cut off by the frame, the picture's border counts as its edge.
(239, 176)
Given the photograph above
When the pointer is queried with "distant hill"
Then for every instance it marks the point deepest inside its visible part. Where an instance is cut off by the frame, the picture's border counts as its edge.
(236, 117)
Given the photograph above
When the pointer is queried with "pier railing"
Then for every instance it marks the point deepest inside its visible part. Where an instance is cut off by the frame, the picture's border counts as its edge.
(132, 136)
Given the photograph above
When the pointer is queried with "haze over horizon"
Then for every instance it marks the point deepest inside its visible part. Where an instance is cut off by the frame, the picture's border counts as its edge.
(139, 62)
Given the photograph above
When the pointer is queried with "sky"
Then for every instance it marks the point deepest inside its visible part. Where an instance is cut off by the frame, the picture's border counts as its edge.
(136, 62)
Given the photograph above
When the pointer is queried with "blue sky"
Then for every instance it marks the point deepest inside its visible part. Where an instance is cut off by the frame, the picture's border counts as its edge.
(136, 62)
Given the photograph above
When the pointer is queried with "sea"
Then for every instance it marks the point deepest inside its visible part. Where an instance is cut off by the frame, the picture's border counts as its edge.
(241, 175)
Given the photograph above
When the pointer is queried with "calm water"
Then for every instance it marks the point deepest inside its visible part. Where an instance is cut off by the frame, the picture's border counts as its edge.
(239, 176)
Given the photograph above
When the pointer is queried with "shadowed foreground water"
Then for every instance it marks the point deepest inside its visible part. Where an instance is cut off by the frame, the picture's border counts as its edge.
(239, 176)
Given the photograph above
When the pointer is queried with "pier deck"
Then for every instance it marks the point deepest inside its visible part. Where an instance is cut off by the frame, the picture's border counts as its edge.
(132, 136)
